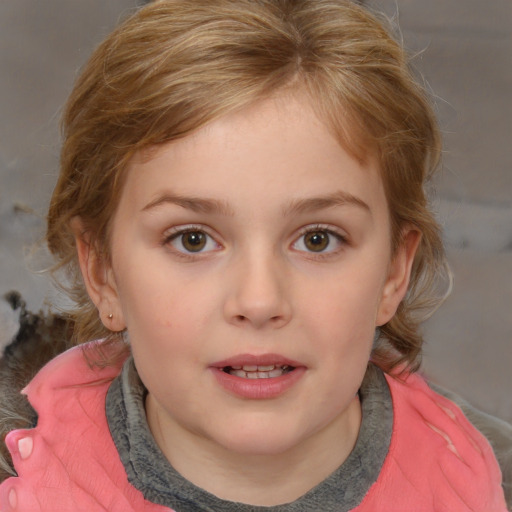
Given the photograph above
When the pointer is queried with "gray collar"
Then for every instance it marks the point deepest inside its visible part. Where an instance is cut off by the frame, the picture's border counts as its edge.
(150, 472)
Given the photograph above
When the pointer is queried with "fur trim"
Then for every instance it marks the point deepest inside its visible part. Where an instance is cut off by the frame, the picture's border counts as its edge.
(28, 342)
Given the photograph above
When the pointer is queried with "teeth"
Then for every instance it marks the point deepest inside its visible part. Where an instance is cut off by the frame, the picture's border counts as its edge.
(254, 368)
(238, 373)
(249, 368)
(258, 372)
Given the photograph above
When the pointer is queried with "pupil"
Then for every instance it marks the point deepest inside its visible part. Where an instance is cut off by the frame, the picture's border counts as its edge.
(317, 241)
(194, 241)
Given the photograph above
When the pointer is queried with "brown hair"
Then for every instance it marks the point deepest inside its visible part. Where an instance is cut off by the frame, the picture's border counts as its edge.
(176, 65)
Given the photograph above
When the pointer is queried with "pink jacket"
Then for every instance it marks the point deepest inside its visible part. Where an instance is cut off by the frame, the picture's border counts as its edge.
(437, 460)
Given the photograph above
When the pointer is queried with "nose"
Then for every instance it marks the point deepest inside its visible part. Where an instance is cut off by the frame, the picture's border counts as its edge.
(258, 293)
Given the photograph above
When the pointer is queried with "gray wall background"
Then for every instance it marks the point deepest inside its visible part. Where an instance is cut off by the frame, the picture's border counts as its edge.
(463, 49)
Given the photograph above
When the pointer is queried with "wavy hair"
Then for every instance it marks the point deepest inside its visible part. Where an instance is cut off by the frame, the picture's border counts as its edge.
(175, 65)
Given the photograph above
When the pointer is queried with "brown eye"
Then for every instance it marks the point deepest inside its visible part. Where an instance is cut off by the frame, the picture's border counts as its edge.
(319, 240)
(193, 241)
(316, 241)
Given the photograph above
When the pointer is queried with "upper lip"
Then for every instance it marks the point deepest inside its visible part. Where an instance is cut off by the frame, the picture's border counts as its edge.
(256, 360)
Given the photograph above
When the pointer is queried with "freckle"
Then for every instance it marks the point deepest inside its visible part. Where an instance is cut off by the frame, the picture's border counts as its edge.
(13, 498)
(25, 446)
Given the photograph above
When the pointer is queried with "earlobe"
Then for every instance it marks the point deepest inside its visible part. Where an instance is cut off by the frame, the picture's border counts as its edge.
(98, 278)
(399, 275)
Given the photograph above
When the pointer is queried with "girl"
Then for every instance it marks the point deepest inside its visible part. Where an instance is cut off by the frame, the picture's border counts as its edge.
(242, 219)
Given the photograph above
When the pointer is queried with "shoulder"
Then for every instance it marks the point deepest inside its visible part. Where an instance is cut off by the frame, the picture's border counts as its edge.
(69, 386)
(419, 410)
(73, 368)
(31, 339)
(438, 452)
(69, 458)
(496, 431)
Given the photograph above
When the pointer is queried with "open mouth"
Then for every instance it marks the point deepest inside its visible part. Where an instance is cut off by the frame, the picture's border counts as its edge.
(258, 377)
(258, 371)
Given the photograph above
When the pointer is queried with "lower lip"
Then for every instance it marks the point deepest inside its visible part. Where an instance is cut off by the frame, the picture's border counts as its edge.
(258, 389)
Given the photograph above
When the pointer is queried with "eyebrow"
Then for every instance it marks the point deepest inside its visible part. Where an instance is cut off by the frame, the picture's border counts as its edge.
(312, 204)
(296, 206)
(196, 204)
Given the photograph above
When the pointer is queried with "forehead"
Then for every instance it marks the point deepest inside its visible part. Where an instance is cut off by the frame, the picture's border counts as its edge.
(278, 147)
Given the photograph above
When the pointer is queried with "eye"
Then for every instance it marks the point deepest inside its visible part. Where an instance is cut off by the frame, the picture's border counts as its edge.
(319, 240)
(192, 241)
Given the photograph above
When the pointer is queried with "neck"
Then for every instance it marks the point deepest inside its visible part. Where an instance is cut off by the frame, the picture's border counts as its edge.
(258, 479)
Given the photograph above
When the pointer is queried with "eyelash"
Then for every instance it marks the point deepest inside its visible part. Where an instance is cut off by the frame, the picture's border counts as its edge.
(180, 231)
(319, 228)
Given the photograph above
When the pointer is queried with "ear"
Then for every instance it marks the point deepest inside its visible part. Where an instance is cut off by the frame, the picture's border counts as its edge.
(397, 282)
(98, 278)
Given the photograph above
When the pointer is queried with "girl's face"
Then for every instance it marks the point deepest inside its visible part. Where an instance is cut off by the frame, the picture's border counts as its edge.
(251, 264)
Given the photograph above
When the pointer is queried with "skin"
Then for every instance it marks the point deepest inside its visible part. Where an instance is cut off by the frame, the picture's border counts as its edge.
(253, 183)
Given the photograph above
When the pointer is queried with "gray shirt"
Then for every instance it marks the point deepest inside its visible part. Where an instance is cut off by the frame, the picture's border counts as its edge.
(151, 473)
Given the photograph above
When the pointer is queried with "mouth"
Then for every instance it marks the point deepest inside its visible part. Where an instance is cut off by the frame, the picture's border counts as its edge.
(258, 377)
(258, 371)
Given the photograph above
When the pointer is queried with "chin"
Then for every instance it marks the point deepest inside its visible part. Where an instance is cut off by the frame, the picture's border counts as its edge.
(261, 441)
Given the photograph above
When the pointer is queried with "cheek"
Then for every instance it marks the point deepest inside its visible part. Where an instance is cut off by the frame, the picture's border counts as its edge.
(166, 318)
(341, 316)
(168, 323)
(345, 299)
(156, 293)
